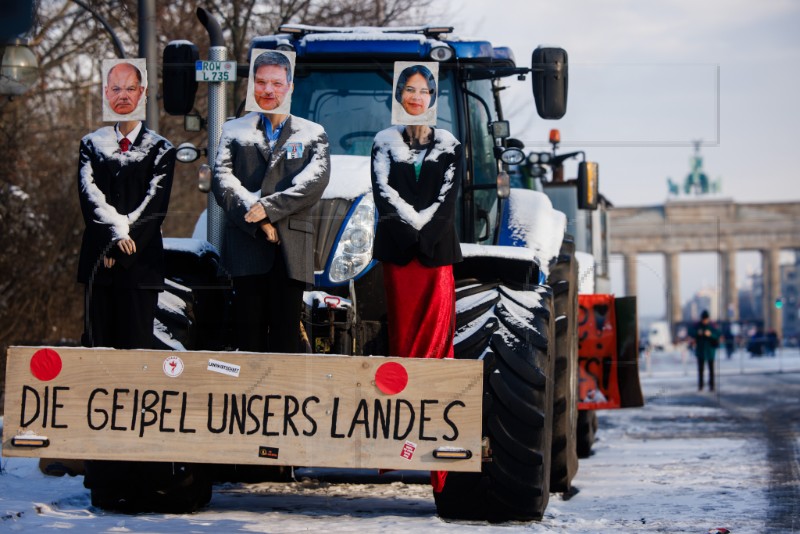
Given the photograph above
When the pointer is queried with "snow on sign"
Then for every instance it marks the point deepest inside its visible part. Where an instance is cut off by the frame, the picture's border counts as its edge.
(215, 71)
(277, 409)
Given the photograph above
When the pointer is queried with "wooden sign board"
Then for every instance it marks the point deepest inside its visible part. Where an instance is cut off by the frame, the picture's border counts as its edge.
(243, 408)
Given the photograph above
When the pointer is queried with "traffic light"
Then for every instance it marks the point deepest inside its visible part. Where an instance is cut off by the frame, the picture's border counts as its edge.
(778, 303)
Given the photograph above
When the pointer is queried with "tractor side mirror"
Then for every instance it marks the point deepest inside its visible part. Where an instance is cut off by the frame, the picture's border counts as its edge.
(588, 177)
(179, 83)
(549, 78)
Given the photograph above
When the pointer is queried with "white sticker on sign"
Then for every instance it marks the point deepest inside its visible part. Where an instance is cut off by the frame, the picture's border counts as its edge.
(229, 369)
(173, 366)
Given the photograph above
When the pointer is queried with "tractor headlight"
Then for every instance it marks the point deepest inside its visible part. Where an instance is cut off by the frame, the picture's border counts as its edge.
(354, 249)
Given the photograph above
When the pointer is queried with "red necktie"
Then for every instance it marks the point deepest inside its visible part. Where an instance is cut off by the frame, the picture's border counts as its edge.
(124, 144)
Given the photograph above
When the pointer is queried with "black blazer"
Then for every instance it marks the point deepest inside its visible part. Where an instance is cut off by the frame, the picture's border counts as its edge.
(286, 184)
(416, 218)
(124, 195)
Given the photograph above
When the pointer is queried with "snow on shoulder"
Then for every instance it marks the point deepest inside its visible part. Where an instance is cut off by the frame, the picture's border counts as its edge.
(244, 130)
(304, 131)
(104, 141)
(390, 146)
(391, 141)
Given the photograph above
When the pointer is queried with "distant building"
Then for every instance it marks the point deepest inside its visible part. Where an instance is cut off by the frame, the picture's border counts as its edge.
(704, 299)
(790, 294)
(750, 299)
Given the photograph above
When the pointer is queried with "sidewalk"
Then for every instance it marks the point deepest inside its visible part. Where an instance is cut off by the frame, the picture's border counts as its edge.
(683, 363)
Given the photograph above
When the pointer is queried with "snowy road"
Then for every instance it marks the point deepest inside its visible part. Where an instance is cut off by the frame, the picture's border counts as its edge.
(687, 462)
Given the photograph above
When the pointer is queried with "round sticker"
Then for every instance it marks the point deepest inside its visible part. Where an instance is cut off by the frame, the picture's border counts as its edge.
(45, 364)
(173, 366)
(391, 378)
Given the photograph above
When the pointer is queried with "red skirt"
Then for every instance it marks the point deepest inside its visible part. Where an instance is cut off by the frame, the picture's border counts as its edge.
(421, 312)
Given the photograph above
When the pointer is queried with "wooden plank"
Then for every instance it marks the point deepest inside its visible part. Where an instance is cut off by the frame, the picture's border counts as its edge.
(243, 408)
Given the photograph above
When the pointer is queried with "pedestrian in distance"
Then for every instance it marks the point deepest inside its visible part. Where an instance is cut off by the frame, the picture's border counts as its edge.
(729, 346)
(772, 342)
(271, 168)
(706, 341)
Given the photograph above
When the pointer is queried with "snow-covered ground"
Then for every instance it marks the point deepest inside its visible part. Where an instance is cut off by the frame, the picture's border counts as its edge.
(683, 463)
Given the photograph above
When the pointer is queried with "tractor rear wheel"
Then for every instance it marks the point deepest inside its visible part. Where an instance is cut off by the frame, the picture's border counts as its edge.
(564, 281)
(509, 327)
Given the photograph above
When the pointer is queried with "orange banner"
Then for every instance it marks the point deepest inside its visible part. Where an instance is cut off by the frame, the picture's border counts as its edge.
(597, 353)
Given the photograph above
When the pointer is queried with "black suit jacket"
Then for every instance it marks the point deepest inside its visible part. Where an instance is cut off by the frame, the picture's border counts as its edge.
(416, 218)
(124, 195)
(287, 185)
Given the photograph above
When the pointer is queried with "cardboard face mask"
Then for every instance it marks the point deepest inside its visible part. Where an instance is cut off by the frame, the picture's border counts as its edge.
(415, 91)
(124, 88)
(269, 88)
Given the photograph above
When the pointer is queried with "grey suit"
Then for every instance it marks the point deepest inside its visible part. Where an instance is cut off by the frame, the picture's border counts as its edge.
(287, 185)
(287, 180)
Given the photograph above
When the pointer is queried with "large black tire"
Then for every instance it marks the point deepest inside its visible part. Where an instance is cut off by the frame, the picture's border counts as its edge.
(509, 328)
(175, 324)
(564, 281)
(189, 316)
(587, 428)
(193, 314)
(192, 311)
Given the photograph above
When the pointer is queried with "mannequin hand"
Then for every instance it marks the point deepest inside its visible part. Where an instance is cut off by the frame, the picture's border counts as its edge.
(256, 214)
(127, 245)
(271, 231)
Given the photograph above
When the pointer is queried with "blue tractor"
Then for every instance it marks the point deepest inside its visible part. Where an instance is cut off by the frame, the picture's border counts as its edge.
(516, 288)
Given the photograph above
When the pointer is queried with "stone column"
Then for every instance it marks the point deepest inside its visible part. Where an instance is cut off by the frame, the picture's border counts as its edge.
(728, 290)
(630, 274)
(672, 273)
(771, 269)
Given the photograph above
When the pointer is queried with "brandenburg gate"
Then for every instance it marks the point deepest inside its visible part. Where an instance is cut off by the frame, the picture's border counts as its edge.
(707, 224)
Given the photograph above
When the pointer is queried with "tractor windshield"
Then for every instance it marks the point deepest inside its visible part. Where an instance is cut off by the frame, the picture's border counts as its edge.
(354, 104)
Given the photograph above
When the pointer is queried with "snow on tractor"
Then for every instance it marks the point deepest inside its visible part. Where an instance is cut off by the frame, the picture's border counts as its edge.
(517, 307)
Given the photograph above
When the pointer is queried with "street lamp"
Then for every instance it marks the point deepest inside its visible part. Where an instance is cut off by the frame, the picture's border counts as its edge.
(19, 68)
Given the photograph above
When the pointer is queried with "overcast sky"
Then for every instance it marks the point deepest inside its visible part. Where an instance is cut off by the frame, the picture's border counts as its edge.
(647, 79)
